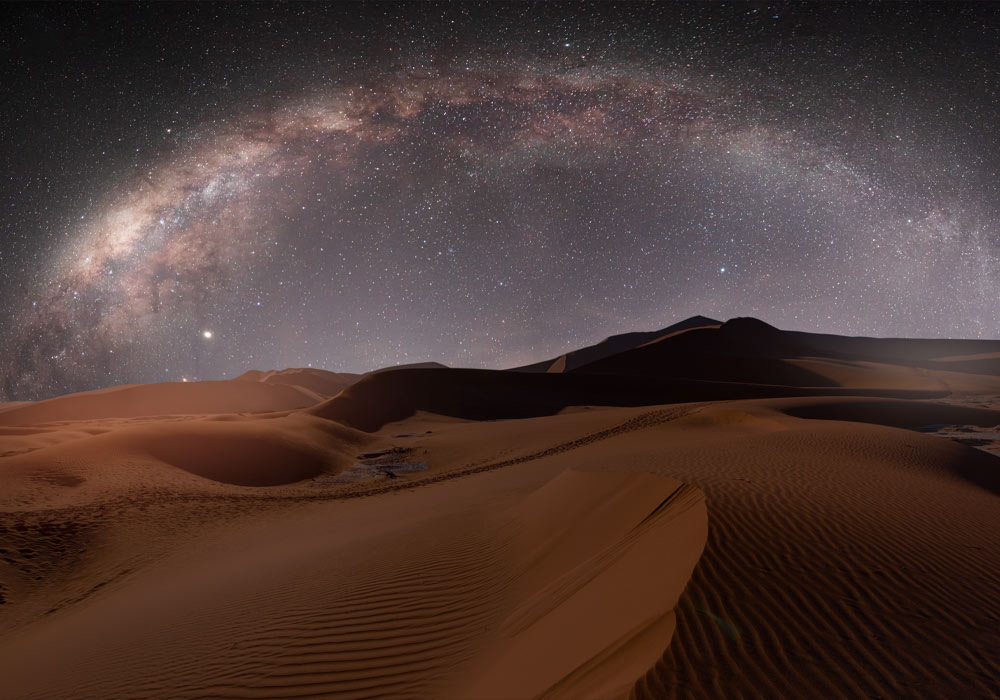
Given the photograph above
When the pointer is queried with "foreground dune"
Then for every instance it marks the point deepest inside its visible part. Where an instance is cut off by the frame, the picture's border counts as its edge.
(511, 583)
(842, 559)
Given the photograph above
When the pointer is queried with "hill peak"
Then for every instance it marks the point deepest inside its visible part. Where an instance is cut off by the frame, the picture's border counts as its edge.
(751, 326)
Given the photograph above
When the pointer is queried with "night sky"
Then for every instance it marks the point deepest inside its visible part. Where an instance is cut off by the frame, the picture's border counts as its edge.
(197, 190)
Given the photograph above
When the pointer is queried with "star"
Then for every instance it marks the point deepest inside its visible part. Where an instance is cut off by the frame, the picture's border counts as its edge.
(492, 199)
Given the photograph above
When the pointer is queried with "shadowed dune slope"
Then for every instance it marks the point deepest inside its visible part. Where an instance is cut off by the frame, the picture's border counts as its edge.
(751, 351)
(741, 350)
(612, 345)
(501, 583)
(899, 414)
(977, 467)
(979, 363)
(256, 453)
(179, 456)
(749, 337)
(489, 395)
(410, 365)
(844, 560)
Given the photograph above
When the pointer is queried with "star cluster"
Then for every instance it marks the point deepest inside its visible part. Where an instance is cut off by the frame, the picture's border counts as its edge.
(258, 187)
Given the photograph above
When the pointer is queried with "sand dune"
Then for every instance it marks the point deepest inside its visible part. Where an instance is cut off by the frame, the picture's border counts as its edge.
(339, 600)
(861, 374)
(612, 346)
(168, 398)
(751, 336)
(741, 350)
(442, 533)
(746, 350)
(490, 395)
(411, 365)
(840, 555)
(252, 392)
(896, 350)
(320, 383)
(843, 561)
(182, 456)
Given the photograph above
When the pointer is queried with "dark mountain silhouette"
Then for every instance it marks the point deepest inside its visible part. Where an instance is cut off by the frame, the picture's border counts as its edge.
(696, 360)
(611, 346)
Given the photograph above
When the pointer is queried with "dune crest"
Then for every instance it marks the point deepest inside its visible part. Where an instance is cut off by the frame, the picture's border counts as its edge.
(594, 550)
(340, 600)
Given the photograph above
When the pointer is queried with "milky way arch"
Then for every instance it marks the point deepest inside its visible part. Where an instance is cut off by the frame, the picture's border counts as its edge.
(492, 214)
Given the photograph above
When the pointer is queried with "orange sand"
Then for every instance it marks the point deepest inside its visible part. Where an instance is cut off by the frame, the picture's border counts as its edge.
(262, 538)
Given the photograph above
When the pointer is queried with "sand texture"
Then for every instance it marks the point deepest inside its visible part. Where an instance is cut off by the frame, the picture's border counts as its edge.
(628, 531)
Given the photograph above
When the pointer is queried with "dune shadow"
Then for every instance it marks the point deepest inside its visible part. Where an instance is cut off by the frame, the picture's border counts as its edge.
(976, 466)
(476, 394)
(241, 458)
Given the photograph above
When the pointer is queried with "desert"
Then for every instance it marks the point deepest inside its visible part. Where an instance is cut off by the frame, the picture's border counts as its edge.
(478, 350)
(434, 532)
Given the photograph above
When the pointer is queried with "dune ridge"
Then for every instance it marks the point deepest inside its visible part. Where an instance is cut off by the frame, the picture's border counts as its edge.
(490, 395)
(388, 606)
(748, 350)
(628, 531)
(167, 398)
(613, 345)
(859, 562)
